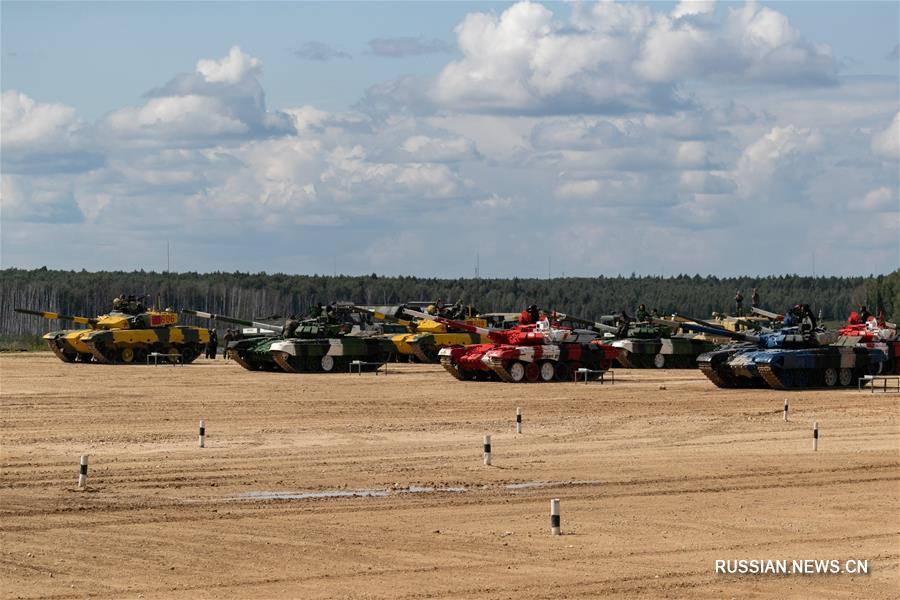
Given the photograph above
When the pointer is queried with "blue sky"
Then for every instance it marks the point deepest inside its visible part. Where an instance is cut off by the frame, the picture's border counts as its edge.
(407, 137)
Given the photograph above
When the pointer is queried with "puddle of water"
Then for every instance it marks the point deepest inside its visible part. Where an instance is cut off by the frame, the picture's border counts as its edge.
(416, 489)
(381, 493)
(306, 495)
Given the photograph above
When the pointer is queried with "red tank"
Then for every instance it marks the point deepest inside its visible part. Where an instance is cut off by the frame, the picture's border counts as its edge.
(874, 333)
(539, 352)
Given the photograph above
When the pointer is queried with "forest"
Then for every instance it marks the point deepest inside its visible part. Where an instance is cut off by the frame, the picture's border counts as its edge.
(259, 295)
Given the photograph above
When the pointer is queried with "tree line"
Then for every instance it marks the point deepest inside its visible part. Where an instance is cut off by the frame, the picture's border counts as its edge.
(260, 295)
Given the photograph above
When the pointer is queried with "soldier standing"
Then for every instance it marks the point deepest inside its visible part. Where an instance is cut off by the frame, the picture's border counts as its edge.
(754, 299)
(229, 335)
(641, 313)
(213, 345)
(864, 314)
(739, 304)
(530, 315)
(290, 326)
(624, 322)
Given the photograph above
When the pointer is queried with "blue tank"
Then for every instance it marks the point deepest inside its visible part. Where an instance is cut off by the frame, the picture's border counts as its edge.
(793, 357)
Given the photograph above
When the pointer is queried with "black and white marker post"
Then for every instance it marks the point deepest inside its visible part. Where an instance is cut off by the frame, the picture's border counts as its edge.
(82, 471)
(202, 433)
(487, 449)
(785, 410)
(554, 517)
(518, 420)
(815, 436)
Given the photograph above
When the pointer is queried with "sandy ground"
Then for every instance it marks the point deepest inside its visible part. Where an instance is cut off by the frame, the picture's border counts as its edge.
(315, 486)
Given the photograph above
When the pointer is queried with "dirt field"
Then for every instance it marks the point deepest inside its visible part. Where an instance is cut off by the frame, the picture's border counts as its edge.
(315, 486)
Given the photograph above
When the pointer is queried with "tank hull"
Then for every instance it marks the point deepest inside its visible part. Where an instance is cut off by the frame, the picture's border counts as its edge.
(529, 363)
(118, 346)
(68, 346)
(791, 369)
(661, 353)
(424, 347)
(330, 355)
(254, 353)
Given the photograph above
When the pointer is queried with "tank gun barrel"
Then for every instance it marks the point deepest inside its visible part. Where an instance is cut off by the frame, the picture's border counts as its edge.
(673, 323)
(598, 325)
(56, 316)
(380, 316)
(765, 313)
(692, 324)
(449, 322)
(245, 323)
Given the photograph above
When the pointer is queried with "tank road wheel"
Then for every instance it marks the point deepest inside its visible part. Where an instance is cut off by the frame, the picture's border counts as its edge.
(801, 379)
(327, 363)
(548, 373)
(85, 357)
(659, 361)
(532, 372)
(563, 373)
(831, 377)
(517, 371)
(845, 377)
(126, 355)
(188, 355)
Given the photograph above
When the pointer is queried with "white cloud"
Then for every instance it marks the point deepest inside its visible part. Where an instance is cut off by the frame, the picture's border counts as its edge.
(694, 8)
(512, 130)
(619, 57)
(587, 188)
(886, 143)
(230, 69)
(433, 149)
(880, 199)
(42, 137)
(27, 124)
(754, 43)
(351, 175)
(222, 101)
(782, 159)
(37, 200)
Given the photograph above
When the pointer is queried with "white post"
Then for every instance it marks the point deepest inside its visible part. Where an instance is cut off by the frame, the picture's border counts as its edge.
(487, 449)
(202, 434)
(554, 517)
(82, 471)
(518, 420)
(815, 436)
(785, 410)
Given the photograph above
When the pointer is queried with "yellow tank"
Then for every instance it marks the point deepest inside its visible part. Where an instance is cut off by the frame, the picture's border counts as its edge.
(426, 337)
(126, 335)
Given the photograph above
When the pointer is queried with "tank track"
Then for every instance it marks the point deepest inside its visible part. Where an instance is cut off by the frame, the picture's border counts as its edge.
(240, 360)
(54, 347)
(98, 354)
(768, 374)
(716, 378)
(448, 365)
(625, 359)
(418, 351)
(501, 371)
(283, 362)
